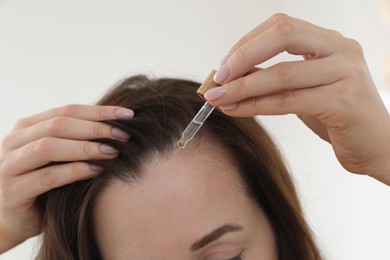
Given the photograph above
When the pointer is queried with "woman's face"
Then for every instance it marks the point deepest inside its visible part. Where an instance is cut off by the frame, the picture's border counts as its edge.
(189, 206)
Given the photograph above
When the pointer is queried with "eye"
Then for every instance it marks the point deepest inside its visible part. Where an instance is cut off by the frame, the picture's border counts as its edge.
(238, 257)
(228, 255)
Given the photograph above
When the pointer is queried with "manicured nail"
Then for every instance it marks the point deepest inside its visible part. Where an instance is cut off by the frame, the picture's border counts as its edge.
(229, 107)
(226, 58)
(108, 150)
(96, 168)
(222, 73)
(215, 93)
(119, 134)
(124, 113)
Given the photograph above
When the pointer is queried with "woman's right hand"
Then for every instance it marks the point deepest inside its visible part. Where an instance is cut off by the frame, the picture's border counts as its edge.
(330, 89)
(57, 135)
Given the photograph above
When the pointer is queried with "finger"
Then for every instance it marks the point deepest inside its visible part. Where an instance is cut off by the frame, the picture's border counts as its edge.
(276, 18)
(249, 36)
(280, 77)
(315, 102)
(291, 35)
(49, 149)
(35, 183)
(64, 128)
(84, 112)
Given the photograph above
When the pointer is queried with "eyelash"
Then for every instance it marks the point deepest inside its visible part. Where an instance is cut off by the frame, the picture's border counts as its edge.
(238, 257)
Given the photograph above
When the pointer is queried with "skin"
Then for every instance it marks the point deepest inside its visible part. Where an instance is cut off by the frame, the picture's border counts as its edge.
(38, 140)
(181, 199)
(331, 90)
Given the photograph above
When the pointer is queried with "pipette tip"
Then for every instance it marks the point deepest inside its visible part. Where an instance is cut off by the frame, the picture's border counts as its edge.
(181, 143)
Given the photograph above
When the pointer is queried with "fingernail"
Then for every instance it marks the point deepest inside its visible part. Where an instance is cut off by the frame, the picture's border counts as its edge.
(229, 107)
(124, 113)
(119, 134)
(108, 150)
(226, 58)
(96, 168)
(215, 93)
(222, 73)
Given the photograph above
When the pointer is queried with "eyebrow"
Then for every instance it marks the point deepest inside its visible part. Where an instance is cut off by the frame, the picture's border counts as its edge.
(214, 235)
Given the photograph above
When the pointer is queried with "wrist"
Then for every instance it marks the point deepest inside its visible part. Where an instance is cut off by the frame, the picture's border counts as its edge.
(382, 171)
(7, 241)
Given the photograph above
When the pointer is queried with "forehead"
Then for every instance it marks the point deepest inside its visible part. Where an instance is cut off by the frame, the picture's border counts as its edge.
(181, 197)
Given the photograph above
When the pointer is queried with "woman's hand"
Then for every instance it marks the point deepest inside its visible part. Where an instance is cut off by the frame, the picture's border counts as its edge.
(331, 90)
(58, 135)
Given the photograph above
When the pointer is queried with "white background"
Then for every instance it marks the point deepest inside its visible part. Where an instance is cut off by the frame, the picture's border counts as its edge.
(58, 52)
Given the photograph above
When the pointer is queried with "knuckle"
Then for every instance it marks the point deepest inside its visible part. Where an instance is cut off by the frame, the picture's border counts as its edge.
(284, 28)
(56, 125)
(86, 150)
(284, 71)
(283, 24)
(77, 170)
(239, 85)
(46, 177)
(5, 142)
(279, 17)
(44, 146)
(241, 54)
(21, 123)
(285, 98)
(101, 111)
(244, 39)
(68, 110)
(253, 103)
(354, 46)
(334, 38)
(336, 34)
(99, 130)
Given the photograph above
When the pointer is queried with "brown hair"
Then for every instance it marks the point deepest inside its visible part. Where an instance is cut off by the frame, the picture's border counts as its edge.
(163, 108)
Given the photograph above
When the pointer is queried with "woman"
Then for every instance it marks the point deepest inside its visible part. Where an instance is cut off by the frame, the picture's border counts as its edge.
(157, 201)
(331, 91)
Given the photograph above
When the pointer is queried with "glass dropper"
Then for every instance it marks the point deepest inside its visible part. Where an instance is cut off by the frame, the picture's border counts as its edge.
(195, 124)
